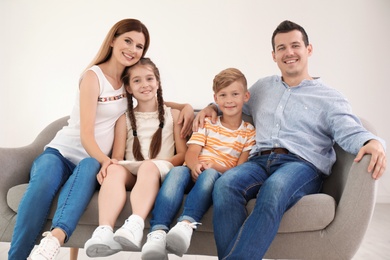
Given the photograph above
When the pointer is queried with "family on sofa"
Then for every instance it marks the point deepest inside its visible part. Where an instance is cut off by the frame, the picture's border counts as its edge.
(113, 144)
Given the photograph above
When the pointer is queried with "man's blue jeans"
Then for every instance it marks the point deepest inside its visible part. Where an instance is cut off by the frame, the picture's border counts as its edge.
(170, 197)
(277, 181)
(51, 171)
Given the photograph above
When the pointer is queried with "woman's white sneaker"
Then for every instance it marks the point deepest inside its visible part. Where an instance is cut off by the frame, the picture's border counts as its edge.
(48, 248)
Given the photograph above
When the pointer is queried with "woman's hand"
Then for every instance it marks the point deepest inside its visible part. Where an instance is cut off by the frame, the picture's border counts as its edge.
(103, 170)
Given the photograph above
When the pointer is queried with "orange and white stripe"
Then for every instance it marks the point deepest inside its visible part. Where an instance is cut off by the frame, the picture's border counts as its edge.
(223, 145)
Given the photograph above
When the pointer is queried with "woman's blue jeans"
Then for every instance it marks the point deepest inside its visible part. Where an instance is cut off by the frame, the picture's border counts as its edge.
(170, 197)
(277, 181)
(52, 173)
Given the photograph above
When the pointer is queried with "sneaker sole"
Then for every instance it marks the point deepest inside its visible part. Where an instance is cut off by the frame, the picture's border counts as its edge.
(99, 250)
(153, 253)
(127, 244)
(175, 245)
(154, 256)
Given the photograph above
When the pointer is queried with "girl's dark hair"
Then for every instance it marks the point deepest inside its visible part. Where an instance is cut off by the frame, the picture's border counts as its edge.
(155, 145)
(288, 26)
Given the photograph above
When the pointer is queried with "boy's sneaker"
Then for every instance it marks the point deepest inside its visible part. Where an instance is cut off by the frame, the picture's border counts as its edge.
(130, 234)
(179, 237)
(48, 248)
(102, 243)
(154, 248)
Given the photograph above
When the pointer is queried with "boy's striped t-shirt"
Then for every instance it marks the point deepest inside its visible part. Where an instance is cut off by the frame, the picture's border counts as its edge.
(223, 145)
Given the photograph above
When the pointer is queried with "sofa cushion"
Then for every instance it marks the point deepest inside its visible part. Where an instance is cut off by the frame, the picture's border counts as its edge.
(312, 212)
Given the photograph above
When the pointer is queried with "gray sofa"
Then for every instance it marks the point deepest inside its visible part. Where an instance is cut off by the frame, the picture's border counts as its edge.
(329, 225)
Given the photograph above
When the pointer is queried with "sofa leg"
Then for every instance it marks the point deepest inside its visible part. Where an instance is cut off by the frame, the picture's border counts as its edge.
(73, 253)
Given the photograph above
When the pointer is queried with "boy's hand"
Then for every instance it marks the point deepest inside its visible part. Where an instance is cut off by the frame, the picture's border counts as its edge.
(207, 165)
(198, 169)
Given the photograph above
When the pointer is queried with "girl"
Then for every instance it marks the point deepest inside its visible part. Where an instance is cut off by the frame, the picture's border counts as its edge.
(152, 148)
(72, 159)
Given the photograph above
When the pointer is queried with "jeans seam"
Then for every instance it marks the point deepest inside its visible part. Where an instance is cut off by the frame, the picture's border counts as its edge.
(59, 224)
(238, 237)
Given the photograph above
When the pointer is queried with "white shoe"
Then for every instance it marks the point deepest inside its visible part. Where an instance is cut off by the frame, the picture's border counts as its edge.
(48, 248)
(179, 237)
(102, 243)
(130, 234)
(154, 248)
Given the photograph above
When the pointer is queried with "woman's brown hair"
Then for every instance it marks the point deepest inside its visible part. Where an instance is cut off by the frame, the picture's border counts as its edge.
(121, 27)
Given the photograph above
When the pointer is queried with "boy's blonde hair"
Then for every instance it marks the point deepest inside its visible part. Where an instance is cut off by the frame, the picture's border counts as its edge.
(227, 77)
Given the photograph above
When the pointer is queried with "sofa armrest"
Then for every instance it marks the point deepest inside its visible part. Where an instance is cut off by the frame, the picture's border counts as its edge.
(15, 165)
(354, 210)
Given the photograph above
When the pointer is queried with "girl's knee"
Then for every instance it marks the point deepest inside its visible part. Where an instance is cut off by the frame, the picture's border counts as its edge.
(148, 168)
(115, 171)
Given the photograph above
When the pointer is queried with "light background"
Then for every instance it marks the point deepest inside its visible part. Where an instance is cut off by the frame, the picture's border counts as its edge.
(45, 45)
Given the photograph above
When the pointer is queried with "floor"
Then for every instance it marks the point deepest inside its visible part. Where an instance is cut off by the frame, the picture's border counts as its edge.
(376, 243)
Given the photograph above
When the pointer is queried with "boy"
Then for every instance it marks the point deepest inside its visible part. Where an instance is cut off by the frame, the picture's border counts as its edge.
(211, 151)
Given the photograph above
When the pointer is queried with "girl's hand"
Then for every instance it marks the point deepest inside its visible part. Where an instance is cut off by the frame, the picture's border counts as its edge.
(186, 118)
(209, 111)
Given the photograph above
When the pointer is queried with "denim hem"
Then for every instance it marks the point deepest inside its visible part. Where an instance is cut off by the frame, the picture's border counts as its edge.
(159, 227)
(188, 218)
(63, 230)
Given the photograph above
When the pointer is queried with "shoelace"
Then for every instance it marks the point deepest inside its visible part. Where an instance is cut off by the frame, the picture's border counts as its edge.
(193, 225)
(131, 226)
(49, 246)
(157, 235)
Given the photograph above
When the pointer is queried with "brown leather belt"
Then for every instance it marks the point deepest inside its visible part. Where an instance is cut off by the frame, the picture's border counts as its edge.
(275, 150)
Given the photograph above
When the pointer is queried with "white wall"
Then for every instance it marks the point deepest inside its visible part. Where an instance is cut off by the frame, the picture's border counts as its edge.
(46, 44)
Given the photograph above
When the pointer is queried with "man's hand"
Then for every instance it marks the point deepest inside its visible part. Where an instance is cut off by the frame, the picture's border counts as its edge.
(186, 117)
(378, 161)
(211, 111)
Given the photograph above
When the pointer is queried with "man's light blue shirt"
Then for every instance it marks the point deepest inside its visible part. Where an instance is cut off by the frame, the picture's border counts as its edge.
(306, 119)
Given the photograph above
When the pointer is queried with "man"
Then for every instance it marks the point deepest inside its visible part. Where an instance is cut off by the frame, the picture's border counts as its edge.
(297, 118)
